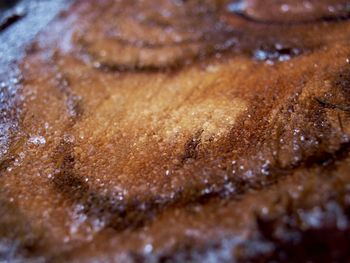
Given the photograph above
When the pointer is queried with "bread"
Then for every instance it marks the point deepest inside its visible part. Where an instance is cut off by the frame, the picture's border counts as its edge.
(178, 131)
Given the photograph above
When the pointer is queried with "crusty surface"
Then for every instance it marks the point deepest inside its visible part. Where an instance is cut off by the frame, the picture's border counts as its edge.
(180, 131)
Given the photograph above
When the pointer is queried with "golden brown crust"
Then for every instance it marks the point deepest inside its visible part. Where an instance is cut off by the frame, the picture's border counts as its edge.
(171, 130)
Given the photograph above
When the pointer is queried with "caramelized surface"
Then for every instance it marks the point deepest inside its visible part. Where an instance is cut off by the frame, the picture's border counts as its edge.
(166, 130)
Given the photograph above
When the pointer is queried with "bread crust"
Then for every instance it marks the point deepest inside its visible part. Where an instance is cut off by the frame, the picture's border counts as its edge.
(166, 131)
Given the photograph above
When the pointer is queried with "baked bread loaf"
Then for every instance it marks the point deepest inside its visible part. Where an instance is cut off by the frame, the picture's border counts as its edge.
(175, 131)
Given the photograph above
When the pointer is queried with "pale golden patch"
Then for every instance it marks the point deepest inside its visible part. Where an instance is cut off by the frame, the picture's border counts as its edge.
(172, 109)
